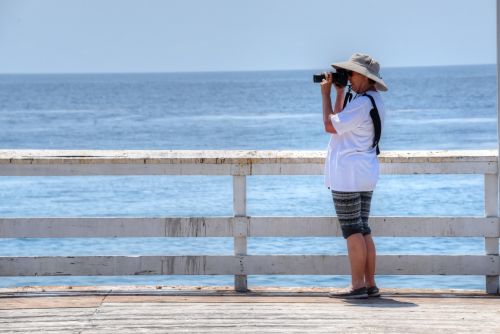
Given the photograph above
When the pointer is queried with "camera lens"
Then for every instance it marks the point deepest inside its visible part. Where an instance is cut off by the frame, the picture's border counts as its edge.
(318, 78)
(339, 78)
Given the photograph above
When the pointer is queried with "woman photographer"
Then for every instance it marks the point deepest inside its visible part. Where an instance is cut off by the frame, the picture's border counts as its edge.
(351, 166)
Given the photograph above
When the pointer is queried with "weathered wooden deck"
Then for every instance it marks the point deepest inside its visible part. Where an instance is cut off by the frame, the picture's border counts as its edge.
(263, 310)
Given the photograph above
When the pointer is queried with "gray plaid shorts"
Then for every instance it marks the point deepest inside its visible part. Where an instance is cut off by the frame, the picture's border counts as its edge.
(353, 209)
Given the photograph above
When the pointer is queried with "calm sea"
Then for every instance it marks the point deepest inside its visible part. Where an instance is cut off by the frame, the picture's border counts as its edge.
(428, 108)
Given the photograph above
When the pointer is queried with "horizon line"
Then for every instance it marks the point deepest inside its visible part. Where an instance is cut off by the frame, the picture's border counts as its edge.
(225, 71)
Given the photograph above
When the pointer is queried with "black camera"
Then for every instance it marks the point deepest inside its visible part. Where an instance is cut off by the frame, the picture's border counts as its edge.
(339, 77)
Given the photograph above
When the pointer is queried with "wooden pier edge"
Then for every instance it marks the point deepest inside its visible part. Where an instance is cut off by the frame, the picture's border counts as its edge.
(222, 310)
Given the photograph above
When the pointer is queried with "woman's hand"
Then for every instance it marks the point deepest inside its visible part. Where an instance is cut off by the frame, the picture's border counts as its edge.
(326, 84)
(340, 90)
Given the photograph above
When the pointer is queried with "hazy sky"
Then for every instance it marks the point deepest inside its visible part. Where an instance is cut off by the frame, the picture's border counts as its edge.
(45, 36)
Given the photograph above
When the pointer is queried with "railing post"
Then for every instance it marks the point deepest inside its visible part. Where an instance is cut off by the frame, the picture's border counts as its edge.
(491, 244)
(491, 210)
(240, 210)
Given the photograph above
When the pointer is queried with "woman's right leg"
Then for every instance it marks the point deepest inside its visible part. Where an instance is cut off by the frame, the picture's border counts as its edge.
(356, 250)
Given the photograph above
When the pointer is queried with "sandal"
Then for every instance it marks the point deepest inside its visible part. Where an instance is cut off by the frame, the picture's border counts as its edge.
(373, 291)
(360, 293)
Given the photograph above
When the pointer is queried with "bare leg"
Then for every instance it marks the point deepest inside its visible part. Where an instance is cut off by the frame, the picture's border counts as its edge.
(370, 261)
(356, 249)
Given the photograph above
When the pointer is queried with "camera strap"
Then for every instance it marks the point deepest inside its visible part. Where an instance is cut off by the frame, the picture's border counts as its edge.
(347, 97)
(376, 122)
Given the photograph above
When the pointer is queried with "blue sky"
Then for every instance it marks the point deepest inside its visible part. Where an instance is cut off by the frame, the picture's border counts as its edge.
(73, 36)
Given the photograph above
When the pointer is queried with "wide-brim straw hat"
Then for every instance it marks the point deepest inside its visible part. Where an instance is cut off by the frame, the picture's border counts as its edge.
(365, 65)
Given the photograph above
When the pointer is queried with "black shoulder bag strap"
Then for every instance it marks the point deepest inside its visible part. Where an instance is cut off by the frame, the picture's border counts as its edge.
(376, 122)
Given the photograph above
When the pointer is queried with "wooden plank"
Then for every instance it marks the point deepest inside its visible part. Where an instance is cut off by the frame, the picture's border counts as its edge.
(241, 225)
(226, 156)
(237, 162)
(74, 169)
(116, 227)
(381, 226)
(491, 206)
(220, 170)
(40, 302)
(439, 168)
(395, 313)
(245, 265)
(196, 292)
(314, 226)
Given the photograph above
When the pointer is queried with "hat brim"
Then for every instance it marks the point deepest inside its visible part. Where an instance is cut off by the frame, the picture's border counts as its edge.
(379, 83)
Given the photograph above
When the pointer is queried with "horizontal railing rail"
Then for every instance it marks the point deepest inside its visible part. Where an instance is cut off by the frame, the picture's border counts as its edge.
(127, 162)
(240, 164)
(244, 265)
(253, 226)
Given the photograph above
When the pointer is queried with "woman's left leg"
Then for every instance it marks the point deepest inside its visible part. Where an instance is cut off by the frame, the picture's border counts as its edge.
(370, 261)
(366, 198)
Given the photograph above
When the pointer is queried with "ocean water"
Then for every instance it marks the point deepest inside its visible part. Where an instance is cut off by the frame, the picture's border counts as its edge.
(427, 109)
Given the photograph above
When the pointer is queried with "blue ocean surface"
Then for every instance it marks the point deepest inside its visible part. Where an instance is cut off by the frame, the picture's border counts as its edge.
(431, 108)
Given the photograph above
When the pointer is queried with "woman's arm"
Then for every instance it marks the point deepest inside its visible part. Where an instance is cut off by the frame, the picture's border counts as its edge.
(326, 88)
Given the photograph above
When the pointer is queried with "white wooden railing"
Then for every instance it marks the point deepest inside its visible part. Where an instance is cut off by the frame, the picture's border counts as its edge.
(241, 164)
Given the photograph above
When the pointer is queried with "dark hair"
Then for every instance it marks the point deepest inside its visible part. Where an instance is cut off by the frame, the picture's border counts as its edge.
(371, 81)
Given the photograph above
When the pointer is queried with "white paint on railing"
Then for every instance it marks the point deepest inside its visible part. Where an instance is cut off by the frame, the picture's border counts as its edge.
(491, 210)
(53, 162)
(243, 227)
(492, 197)
(239, 226)
(245, 265)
